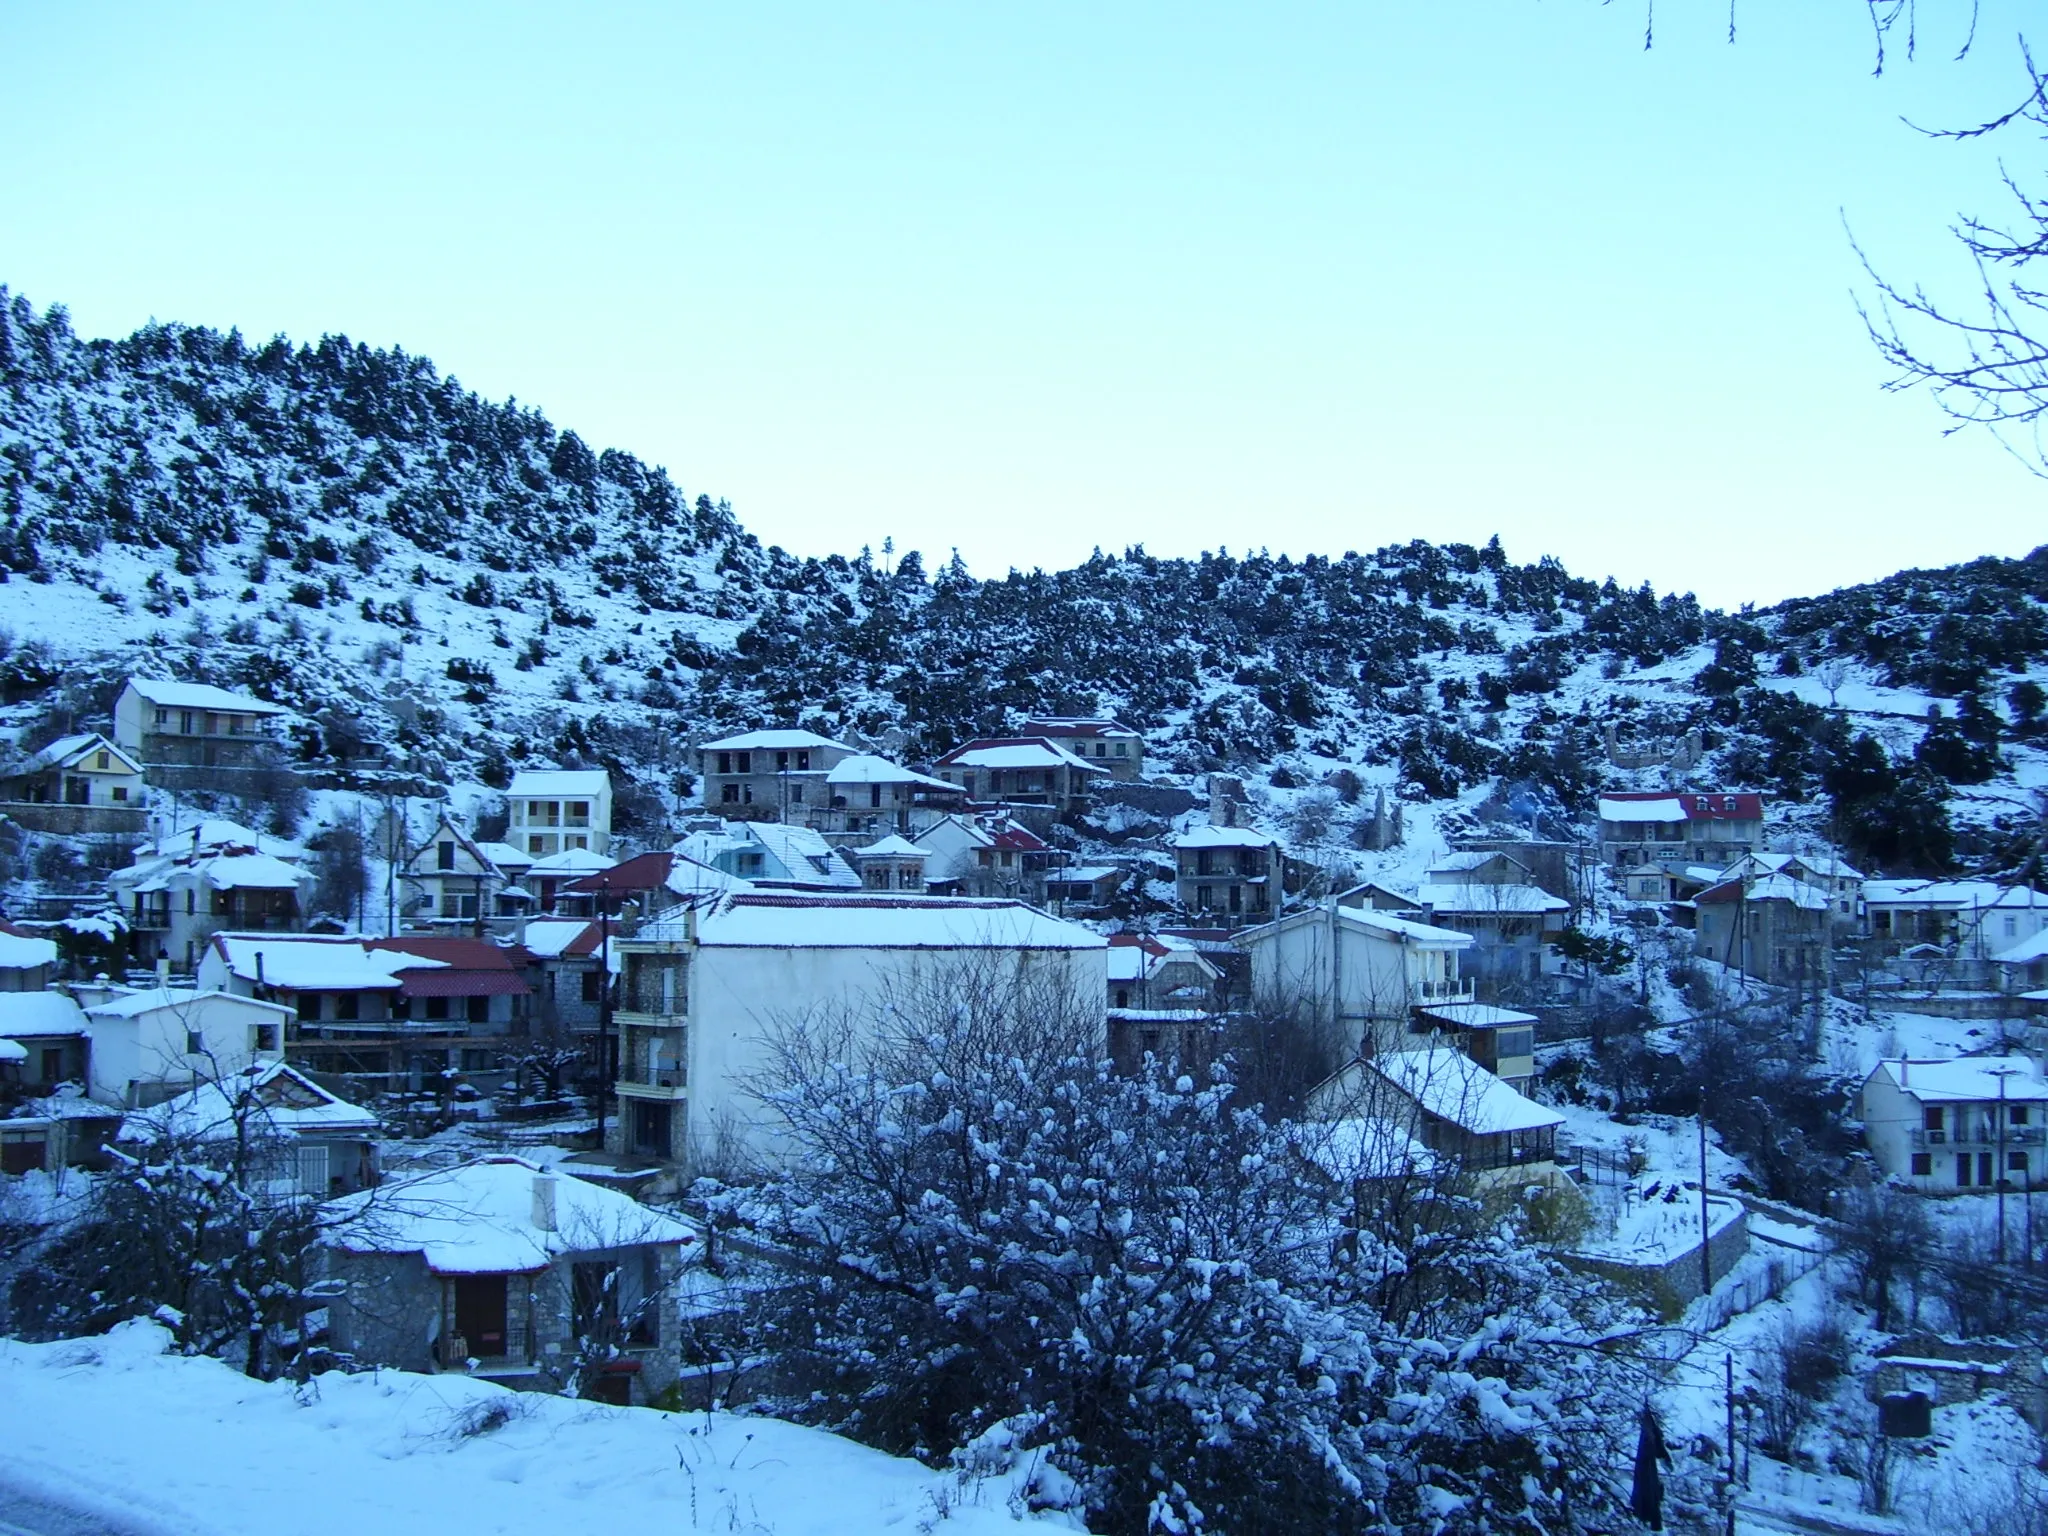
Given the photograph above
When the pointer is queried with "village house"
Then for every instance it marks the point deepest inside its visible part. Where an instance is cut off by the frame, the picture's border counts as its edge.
(1502, 1040)
(1774, 927)
(2024, 967)
(43, 1043)
(1468, 1120)
(1494, 897)
(1976, 920)
(213, 876)
(557, 810)
(299, 1139)
(1162, 1002)
(783, 774)
(154, 1043)
(28, 960)
(867, 795)
(1357, 971)
(77, 785)
(1085, 887)
(702, 993)
(193, 735)
(1106, 743)
(567, 972)
(561, 884)
(503, 1270)
(1231, 873)
(401, 1014)
(987, 855)
(456, 883)
(1673, 829)
(1824, 872)
(1020, 770)
(1943, 1127)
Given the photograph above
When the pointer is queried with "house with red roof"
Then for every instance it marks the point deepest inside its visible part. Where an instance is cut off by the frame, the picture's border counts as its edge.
(1672, 830)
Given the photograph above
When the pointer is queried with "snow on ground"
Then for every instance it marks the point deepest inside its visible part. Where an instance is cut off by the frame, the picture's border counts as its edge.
(147, 1443)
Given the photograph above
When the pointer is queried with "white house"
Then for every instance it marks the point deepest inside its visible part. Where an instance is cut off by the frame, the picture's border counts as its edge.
(454, 880)
(305, 1140)
(867, 794)
(701, 995)
(554, 810)
(186, 726)
(1944, 1127)
(1107, 743)
(190, 885)
(79, 783)
(1449, 1104)
(42, 1043)
(1672, 829)
(1359, 971)
(1978, 918)
(150, 1045)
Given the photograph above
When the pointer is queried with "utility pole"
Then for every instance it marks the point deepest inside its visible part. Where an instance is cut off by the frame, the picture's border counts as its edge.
(1706, 1253)
(2002, 1073)
(604, 999)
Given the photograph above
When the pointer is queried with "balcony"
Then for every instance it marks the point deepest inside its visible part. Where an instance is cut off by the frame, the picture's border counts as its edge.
(1980, 1136)
(1427, 992)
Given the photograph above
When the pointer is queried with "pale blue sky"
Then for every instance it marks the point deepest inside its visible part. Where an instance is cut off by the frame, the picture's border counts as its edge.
(1313, 277)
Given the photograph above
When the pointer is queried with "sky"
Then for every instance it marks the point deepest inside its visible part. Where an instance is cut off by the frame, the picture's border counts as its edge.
(1025, 282)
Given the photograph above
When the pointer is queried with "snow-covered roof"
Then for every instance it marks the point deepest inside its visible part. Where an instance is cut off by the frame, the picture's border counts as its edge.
(307, 964)
(570, 863)
(1361, 1147)
(1453, 1087)
(268, 1097)
(1809, 898)
(1084, 874)
(1475, 897)
(795, 921)
(66, 750)
(893, 847)
(549, 938)
(213, 832)
(26, 1014)
(1225, 837)
(478, 1219)
(1951, 894)
(771, 741)
(1669, 809)
(1827, 865)
(1477, 1015)
(129, 1005)
(506, 857)
(2026, 951)
(1427, 935)
(21, 950)
(1968, 1079)
(529, 782)
(687, 877)
(200, 696)
(1471, 858)
(1127, 962)
(1031, 752)
(866, 768)
(254, 872)
(803, 853)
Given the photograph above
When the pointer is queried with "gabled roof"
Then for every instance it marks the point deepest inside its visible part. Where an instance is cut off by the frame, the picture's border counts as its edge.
(1470, 859)
(1016, 839)
(478, 1219)
(805, 856)
(892, 847)
(1368, 920)
(1088, 728)
(531, 782)
(66, 751)
(642, 872)
(771, 741)
(1966, 1079)
(569, 863)
(2026, 951)
(25, 1015)
(1016, 752)
(866, 768)
(510, 860)
(1958, 895)
(1479, 898)
(200, 696)
(1657, 806)
(1453, 1087)
(314, 963)
(269, 1097)
(557, 938)
(133, 1005)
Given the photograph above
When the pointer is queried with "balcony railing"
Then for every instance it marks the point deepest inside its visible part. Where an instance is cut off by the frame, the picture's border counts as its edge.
(655, 1077)
(1981, 1136)
(1443, 991)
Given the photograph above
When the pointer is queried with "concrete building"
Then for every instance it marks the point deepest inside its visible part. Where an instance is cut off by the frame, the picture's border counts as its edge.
(1957, 1126)
(1228, 874)
(1774, 927)
(28, 960)
(1673, 829)
(296, 1138)
(193, 735)
(867, 795)
(1359, 972)
(43, 1044)
(155, 1043)
(558, 810)
(503, 1270)
(1106, 743)
(211, 877)
(1020, 770)
(988, 855)
(701, 996)
(779, 774)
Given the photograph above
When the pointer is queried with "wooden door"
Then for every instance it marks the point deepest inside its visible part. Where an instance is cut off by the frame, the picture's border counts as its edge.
(480, 1314)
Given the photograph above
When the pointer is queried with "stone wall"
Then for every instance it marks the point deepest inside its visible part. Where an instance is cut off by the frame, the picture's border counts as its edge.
(1668, 1288)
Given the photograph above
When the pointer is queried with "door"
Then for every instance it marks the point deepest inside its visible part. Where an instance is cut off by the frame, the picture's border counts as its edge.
(650, 1129)
(480, 1314)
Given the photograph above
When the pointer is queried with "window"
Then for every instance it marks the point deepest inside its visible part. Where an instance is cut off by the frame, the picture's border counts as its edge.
(1931, 1117)
(1986, 1168)
(120, 792)
(782, 762)
(1120, 752)
(591, 987)
(2016, 1162)
(1123, 997)
(163, 718)
(480, 1011)
(2012, 924)
(1962, 1170)
(725, 762)
(437, 1007)
(743, 762)
(796, 794)
(191, 901)
(1102, 749)
(195, 1042)
(803, 762)
(2018, 1114)
(444, 855)
(101, 763)
(536, 845)
(729, 794)
(185, 722)
(1923, 1164)
(576, 840)
(874, 796)
(263, 1038)
(348, 1006)
(1515, 1042)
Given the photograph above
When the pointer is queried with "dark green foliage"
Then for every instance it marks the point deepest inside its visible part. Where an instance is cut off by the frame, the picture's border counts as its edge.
(1887, 820)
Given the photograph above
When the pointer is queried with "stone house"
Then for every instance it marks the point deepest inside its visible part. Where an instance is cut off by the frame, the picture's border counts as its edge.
(1824, 872)
(1957, 1126)
(780, 774)
(893, 864)
(212, 877)
(80, 784)
(1358, 972)
(193, 735)
(300, 1139)
(1773, 927)
(1020, 770)
(559, 810)
(567, 972)
(1673, 829)
(1106, 743)
(1228, 873)
(504, 1270)
(1087, 887)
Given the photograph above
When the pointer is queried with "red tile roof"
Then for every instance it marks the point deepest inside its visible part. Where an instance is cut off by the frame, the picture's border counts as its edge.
(1741, 806)
(455, 953)
(642, 872)
(460, 983)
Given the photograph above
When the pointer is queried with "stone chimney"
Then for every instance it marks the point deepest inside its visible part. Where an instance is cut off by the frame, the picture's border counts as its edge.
(544, 1186)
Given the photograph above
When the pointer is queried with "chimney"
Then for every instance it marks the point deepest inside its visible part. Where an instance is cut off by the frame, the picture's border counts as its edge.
(163, 969)
(544, 1186)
